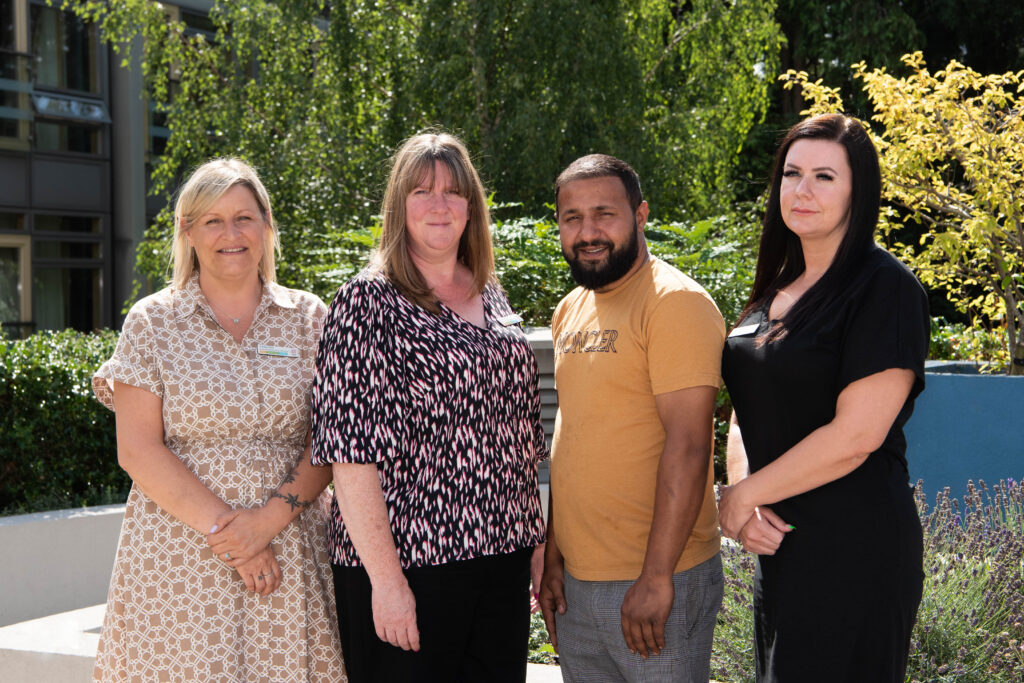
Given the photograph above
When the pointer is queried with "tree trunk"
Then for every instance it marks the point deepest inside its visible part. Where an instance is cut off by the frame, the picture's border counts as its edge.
(1017, 358)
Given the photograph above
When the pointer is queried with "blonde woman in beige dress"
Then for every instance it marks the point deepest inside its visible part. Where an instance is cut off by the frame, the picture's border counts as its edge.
(221, 571)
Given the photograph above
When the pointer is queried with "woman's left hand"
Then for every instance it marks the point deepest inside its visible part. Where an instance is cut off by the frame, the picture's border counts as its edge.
(262, 573)
(239, 535)
(733, 511)
(536, 572)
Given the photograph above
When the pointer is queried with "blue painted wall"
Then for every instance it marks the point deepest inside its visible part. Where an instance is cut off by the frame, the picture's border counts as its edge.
(966, 427)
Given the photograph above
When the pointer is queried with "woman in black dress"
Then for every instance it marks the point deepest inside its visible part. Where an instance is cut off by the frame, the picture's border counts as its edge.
(823, 368)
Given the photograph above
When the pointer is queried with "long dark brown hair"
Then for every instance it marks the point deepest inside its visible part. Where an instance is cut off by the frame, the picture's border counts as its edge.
(780, 259)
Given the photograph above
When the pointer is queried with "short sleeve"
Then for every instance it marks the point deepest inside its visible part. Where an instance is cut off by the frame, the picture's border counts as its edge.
(318, 319)
(686, 333)
(531, 390)
(134, 361)
(353, 414)
(888, 328)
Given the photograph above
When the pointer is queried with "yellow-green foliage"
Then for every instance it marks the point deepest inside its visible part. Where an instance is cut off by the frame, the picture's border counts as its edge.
(951, 146)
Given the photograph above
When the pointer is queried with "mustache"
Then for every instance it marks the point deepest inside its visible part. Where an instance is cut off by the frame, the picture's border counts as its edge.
(594, 243)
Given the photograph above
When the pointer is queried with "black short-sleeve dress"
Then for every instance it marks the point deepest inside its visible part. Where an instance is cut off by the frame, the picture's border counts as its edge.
(838, 600)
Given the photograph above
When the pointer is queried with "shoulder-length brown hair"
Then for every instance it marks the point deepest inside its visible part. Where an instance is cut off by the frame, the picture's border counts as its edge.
(205, 186)
(413, 162)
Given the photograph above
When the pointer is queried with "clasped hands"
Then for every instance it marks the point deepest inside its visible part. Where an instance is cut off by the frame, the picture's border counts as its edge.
(240, 539)
(757, 527)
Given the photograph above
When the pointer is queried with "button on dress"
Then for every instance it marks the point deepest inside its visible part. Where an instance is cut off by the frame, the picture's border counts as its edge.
(239, 420)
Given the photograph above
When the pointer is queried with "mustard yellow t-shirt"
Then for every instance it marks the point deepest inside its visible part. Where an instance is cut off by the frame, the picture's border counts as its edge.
(657, 332)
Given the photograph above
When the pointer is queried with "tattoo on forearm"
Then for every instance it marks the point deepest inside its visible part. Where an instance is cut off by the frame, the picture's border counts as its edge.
(288, 478)
(292, 500)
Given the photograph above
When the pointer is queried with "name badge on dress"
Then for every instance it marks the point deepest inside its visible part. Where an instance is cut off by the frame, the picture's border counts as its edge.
(744, 330)
(509, 320)
(278, 351)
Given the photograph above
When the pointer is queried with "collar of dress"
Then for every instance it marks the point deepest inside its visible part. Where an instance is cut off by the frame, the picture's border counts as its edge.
(190, 299)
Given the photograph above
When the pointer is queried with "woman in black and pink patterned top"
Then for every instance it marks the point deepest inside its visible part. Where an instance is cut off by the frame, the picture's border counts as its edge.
(426, 402)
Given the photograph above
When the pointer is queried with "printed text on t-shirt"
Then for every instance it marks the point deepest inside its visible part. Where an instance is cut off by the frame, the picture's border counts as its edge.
(587, 341)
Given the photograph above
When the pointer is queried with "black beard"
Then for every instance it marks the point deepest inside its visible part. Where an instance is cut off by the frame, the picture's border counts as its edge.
(618, 264)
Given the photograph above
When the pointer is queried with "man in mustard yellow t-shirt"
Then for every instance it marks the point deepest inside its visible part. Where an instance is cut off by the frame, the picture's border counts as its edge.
(632, 566)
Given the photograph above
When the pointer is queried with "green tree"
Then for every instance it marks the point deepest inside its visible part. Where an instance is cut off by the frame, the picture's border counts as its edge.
(825, 38)
(951, 147)
(986, 35)
(315, 94)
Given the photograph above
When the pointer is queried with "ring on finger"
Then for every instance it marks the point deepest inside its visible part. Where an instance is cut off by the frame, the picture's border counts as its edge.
(227, 556)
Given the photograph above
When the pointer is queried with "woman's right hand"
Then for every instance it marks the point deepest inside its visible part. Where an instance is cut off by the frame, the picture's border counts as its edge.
(394, 614)
(764, 532)
(241, 534)
(262, 573)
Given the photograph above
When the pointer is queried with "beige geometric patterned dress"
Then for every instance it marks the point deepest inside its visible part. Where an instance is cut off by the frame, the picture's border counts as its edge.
(238, 418)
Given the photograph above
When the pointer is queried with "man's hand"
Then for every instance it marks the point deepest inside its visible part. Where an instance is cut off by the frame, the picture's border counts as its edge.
(552, 593)
(645, 610)
(394, 614)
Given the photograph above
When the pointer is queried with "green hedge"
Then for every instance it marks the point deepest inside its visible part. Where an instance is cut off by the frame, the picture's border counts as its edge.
(57, 443)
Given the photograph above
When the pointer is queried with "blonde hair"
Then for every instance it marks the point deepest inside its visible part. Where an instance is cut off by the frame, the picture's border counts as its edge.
(205, 186)
(413, 161)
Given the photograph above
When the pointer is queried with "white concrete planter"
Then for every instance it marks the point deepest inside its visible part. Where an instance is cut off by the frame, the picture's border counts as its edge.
(56, 561)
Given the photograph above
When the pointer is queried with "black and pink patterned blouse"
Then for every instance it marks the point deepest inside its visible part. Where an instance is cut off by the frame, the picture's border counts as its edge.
(449, 412)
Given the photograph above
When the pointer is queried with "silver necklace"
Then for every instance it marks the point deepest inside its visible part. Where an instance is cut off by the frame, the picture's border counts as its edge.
(218, 313)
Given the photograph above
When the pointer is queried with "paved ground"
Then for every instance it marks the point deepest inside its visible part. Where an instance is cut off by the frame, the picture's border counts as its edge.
(542, 673)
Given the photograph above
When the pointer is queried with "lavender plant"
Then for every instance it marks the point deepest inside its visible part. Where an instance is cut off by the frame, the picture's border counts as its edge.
(970, 626)
(732, 655)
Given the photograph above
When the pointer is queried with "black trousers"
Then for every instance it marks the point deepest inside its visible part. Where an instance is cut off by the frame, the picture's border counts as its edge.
(473, 617)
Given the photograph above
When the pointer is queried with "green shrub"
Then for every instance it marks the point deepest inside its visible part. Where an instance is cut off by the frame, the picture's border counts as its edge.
(57, 443)
(956, 341)
(539, 647)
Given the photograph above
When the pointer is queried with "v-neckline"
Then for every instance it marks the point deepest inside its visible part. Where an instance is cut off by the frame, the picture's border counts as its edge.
(487, 314)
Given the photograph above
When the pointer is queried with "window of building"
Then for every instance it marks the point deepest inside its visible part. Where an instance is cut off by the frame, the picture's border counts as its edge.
(80, 224)
(67, 272)
(51, 275)
(53, 136)
(66, 297)
(15, 84)
(15, 289)
(64, 49)
(198, 23)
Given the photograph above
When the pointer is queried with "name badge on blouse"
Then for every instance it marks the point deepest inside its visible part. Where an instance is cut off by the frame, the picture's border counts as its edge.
(509, 320)
(278, 351)
(744, 330)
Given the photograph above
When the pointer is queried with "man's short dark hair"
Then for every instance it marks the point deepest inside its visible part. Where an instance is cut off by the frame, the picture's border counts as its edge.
(602, 166)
